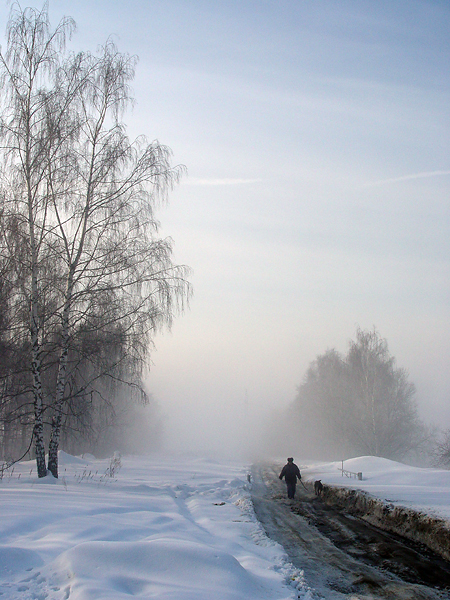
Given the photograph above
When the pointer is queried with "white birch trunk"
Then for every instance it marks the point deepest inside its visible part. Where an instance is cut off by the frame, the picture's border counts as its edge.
(38, 430)
(61, 382)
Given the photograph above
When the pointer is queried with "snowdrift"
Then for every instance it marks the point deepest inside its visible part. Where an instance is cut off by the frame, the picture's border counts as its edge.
(161, 528)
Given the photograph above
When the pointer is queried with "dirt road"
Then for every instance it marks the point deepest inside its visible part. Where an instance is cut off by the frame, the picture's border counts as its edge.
(343, 556)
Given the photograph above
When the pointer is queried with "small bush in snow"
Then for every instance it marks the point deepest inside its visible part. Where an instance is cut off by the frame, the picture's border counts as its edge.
(115, 465)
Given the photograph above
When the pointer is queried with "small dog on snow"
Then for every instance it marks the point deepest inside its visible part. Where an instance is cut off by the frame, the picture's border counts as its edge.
(318, 487)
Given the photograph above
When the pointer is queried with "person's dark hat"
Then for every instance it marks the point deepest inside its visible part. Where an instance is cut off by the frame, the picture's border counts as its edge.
(290, 460)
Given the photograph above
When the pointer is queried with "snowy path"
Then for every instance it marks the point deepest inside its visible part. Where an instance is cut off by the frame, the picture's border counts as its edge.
(161, 529)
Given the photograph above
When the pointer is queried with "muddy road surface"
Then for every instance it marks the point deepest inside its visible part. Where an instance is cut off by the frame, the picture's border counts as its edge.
(343, 556)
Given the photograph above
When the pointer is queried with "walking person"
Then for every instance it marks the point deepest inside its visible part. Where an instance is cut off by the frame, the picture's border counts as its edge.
(291, 473)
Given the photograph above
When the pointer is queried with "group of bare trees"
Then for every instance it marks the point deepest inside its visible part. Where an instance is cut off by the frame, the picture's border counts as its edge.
(356, 405)
(85, 279)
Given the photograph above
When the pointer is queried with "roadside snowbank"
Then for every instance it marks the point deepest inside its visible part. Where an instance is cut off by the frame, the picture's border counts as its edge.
(413, 502)
(422, 490)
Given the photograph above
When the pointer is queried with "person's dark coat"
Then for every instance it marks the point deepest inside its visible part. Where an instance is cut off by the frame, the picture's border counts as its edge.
(290, 472)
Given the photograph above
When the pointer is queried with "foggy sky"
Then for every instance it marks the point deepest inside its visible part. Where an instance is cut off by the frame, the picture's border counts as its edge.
(316, 137)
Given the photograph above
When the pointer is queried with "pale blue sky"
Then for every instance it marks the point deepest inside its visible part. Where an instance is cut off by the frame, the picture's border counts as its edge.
(316, 137)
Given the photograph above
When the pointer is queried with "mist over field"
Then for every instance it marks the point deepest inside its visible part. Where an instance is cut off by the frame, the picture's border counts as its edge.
(314, 203)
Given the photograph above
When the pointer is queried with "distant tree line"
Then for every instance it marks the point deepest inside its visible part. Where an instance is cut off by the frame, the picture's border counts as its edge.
(356, 404)
(85, 280)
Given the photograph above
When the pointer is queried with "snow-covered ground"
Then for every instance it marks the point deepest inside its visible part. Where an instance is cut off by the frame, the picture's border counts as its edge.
(423, 490)
(161, 528)
(166, 528)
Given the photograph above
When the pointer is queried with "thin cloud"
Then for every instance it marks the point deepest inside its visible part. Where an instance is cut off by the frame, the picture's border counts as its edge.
(408, 178)
(199, 181)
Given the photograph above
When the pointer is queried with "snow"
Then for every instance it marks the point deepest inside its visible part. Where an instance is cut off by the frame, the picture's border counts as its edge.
(421, 489)
(161, 528)
(167, 528)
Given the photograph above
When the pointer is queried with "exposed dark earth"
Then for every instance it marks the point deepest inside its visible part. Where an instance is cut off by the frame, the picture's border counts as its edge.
(342, 555)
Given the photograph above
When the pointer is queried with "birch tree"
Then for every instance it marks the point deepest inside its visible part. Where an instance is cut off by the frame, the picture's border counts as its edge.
(31, 62)
(383, 405)
(103, 196)
(87, 195)
(360, 403)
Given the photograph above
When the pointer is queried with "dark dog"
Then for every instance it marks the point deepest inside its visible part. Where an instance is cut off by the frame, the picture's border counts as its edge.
(318, 487)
